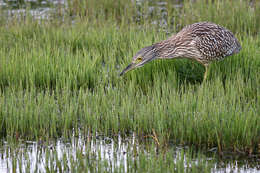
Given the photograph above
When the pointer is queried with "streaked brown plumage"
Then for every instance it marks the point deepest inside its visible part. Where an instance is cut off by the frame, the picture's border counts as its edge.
(203, 42)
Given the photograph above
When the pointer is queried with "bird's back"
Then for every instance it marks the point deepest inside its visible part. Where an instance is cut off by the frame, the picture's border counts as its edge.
(211, 40)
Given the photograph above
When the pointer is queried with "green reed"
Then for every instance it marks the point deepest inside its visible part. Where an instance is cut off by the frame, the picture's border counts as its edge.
(58, 79)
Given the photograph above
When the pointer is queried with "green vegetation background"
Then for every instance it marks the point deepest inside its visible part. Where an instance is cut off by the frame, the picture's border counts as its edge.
(60, 76)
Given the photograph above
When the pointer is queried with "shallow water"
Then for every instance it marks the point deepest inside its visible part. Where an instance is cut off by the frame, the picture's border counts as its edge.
(43, 9)
(39, 9)
(31, 156)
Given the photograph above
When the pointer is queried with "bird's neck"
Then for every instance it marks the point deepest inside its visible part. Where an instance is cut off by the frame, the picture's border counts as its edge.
(175, 47)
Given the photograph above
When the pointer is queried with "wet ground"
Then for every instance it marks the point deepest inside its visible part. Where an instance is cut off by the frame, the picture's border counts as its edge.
(35, 156)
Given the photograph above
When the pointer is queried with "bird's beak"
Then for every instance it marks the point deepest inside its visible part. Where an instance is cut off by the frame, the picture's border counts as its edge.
(128, 68)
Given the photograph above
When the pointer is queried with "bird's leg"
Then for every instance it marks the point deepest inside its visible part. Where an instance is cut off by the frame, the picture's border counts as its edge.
(206, 72)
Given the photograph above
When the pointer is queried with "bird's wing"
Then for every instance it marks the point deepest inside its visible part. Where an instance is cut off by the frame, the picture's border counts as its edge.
(214, 41)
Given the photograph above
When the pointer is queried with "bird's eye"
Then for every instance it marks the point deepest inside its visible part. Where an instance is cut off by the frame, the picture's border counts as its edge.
(139, 59)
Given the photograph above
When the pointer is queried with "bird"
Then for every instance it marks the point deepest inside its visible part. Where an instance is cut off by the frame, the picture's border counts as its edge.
(203, 42)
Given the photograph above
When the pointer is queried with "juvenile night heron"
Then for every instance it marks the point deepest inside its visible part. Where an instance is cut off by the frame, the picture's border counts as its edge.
(203, 42)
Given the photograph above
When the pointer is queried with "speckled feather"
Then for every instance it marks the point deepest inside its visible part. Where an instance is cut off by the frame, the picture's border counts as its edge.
(202, 41)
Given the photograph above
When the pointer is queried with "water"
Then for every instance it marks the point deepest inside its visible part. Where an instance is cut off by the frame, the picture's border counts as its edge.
(43, 9)
(60, 155)
(39, 9)
(33, 4)
(37, 156)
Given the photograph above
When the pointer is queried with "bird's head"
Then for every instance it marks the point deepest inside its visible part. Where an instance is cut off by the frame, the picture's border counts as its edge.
(142, 57)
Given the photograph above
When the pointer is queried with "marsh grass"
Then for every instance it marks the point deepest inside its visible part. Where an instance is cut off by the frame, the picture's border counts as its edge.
(56, 79)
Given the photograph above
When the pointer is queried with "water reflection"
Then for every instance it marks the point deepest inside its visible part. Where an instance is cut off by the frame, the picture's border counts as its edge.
(37, 156)
(63, 155)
